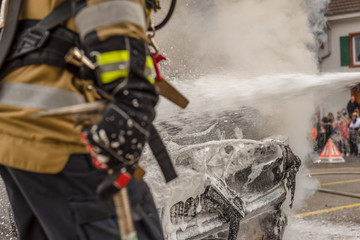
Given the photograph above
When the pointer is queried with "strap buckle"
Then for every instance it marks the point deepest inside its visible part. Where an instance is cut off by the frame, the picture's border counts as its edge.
(30, 41)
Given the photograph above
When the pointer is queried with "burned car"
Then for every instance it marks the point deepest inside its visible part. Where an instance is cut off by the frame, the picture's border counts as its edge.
(228, 187)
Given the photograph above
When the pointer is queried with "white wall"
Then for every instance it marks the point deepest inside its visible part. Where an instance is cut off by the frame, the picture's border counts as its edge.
(334, 101)
(339, 28)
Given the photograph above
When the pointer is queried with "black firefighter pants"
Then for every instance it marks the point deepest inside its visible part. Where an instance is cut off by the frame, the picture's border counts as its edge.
(64, 206)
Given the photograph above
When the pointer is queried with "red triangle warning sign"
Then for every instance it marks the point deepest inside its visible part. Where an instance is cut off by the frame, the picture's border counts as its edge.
(330, 150)
(330, 154)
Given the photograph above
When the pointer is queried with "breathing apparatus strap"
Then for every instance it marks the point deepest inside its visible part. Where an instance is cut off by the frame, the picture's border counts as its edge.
(41, 42)
(36, 36)
(161, 155)
(9, 29)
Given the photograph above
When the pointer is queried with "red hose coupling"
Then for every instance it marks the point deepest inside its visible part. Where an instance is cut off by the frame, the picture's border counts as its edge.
(123, 180)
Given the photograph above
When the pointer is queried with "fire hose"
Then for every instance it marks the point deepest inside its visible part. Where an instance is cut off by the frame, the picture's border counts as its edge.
(167, 17)
(325, 190)
(340, 193)
(335, 173)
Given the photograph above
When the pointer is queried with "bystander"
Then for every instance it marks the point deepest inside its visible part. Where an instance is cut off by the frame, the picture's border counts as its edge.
(352, 104)
(344, 137)
(353, 133)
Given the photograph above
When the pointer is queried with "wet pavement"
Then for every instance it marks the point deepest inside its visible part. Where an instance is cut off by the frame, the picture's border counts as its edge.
(7, 227)
(326, 215)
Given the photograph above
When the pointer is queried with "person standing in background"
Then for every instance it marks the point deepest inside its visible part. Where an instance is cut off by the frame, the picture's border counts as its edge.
(336, 131)
(313, 138)
(343, 111)
(353, 134)
(327, 124)
(344, 137)
(352, 104)
(322, 138)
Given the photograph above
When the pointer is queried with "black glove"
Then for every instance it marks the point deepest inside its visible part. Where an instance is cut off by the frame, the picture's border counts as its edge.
(116, 144)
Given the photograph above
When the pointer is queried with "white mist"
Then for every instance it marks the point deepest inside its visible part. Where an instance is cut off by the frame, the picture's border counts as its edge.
(226, 53)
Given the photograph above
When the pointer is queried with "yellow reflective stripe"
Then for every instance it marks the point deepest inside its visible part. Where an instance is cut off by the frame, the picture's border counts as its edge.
(149, 62)
(113, 57)
(108, 77)
(151, 80)
(118, 56)
(150, 66)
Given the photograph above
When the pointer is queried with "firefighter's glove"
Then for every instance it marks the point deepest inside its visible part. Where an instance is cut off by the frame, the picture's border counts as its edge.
(116, 144)
(117, 141)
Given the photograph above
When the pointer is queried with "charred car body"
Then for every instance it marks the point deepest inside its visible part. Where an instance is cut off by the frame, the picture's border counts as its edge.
(228, 187)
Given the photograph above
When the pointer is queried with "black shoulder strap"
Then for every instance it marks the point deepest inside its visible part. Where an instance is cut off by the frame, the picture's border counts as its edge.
(36, 36)
(60, 14)
(9, 29)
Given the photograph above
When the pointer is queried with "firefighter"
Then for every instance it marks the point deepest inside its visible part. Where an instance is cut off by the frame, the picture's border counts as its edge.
(49, 175)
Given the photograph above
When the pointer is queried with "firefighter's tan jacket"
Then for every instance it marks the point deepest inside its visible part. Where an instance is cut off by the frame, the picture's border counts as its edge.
(44, 144)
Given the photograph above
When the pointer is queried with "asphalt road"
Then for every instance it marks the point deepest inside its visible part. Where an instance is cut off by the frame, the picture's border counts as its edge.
(7, 227)
(323, 215)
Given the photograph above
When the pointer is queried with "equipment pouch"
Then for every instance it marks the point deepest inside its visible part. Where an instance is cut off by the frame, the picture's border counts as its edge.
(94, 219)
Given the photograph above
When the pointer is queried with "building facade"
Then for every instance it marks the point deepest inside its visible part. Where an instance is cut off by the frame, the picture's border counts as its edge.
(342, 51)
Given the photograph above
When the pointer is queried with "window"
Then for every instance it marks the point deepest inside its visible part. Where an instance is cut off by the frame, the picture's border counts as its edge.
(350, 50)
(354, 49)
